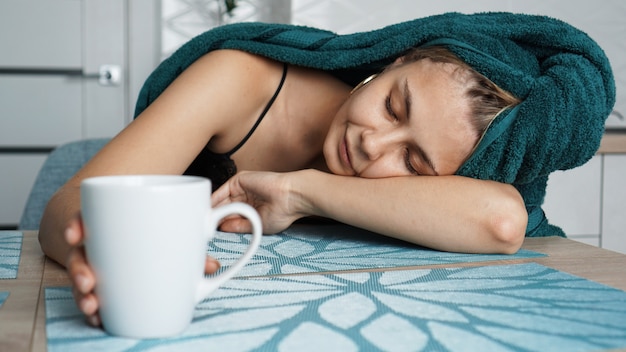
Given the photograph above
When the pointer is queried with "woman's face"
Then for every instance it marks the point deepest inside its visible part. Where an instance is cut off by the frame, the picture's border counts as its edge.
(410, 120)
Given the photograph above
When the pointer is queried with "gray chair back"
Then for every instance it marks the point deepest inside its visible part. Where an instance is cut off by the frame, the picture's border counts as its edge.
(58, 168)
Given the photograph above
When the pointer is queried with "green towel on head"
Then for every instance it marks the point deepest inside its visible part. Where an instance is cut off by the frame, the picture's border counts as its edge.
(562, 76)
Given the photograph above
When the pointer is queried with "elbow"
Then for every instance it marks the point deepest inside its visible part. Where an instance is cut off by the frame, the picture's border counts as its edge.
(508, 224)
(509, 232)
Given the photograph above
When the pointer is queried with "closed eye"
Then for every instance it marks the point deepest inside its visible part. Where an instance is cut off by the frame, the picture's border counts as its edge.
(408, 164)
(390, 109)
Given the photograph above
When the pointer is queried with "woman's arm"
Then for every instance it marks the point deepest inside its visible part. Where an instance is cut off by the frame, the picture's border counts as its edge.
(450, 213)
(205, 104)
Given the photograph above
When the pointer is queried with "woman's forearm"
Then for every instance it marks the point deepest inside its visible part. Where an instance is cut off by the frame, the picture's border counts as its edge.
(450, 213)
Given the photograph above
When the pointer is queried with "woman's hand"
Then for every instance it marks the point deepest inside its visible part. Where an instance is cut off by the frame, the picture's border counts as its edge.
(269, 193)
(82, 276)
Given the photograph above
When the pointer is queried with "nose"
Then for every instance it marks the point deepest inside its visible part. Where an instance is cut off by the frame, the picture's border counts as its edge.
(374, 143)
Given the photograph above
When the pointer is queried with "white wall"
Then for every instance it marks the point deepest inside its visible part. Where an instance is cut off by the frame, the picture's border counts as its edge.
(603, 20)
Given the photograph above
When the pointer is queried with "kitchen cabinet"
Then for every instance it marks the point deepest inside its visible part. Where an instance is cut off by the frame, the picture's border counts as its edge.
(40, 110)
(589, 202)
(573, 201)
(69, 70)
(614, 203)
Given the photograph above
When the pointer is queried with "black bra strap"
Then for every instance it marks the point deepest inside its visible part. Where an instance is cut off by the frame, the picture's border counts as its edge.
(267, 108)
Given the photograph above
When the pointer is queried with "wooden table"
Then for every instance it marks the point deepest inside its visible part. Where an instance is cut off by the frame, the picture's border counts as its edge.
(23, 321)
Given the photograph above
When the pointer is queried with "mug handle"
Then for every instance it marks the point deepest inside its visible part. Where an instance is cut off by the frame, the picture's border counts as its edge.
(208, 285)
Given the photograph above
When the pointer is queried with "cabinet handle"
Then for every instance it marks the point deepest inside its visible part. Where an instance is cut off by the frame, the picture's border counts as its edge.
(107, 75)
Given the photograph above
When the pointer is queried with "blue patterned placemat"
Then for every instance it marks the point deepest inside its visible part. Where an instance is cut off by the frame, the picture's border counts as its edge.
(3, 297)
(305, 248)
(520, 307)
(10, 250)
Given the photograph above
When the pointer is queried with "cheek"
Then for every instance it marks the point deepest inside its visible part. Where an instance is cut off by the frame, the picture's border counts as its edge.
(337, 126)
(388, 166)
(358, 108)
(334, 136)
(362, 113)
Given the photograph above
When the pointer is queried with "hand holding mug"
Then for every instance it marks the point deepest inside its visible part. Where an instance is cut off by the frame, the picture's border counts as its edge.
(82, 276)
(146, 238)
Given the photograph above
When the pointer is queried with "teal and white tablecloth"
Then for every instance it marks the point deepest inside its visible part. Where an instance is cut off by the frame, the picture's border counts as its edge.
(322, 248)
(518, 307)
(10, 250)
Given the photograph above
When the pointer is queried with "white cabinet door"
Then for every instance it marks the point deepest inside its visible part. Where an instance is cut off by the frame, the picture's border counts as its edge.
(52, 55)
(21, 170)
(50, 93)
(40, 110)
(105, 44)
(614, 203)
(41, 34)
(573, 201)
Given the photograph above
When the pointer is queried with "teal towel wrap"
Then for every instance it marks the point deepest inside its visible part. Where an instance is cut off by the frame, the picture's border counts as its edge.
(563, 77)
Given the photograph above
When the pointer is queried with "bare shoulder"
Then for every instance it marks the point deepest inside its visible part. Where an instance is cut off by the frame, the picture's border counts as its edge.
(218, 92)
(230, 72)
(220, 75)
(230, 65)
(213, 99)
(235, 58)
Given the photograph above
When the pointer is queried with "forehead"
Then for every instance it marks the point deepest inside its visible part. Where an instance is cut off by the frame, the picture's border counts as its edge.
(441, 120)
(448, 73)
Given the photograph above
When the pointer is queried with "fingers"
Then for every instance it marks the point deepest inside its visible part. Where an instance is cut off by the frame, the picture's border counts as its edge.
(221, 196)
(211, 265)
(74, 231)
(94, 320)
(231, 191)
(83, 280)
(88, 304)
(80, 274)
(236, 224)
(79, 271)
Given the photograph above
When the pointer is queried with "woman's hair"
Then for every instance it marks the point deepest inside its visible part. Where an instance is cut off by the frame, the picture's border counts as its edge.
(487, 100)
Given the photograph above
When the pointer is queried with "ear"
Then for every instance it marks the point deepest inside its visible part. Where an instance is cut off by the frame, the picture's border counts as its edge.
(400, 60)
(397, 62)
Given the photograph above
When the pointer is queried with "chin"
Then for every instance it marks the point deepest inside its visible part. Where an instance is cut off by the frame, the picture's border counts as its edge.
(333, 169)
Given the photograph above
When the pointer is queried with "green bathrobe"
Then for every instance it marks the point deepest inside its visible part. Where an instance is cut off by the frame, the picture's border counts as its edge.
(563, 77)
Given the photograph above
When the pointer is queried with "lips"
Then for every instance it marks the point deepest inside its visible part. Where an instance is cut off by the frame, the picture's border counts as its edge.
(345, 155)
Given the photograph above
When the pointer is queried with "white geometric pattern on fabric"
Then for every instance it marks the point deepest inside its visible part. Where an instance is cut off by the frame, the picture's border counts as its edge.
(304, 248)
(10, 250)
(507, 308)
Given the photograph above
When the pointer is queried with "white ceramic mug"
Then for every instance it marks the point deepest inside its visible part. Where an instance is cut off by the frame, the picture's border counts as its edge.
(146, 239)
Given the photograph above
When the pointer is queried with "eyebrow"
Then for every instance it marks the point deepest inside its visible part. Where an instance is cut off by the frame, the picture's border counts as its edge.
(408, 98)
(408, 102)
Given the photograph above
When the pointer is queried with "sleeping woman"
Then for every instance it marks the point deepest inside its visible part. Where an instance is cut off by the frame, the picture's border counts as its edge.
(440, 131)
